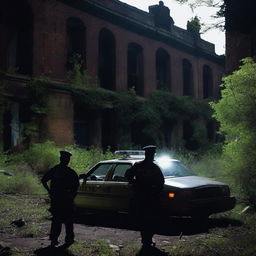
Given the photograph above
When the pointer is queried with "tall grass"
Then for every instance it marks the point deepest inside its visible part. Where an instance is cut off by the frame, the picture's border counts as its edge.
(27, 167)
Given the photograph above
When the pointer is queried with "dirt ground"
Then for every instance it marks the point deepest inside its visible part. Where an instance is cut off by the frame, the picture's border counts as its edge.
(116, 230)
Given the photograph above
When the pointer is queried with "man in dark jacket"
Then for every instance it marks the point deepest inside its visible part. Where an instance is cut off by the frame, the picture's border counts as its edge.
(148, 181)
(63, 187)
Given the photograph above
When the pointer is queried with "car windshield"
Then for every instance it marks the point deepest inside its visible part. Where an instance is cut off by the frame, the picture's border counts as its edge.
(173, 168)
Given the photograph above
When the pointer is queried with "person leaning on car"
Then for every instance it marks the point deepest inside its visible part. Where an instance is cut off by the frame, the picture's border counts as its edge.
(63, 187)
(148, 181)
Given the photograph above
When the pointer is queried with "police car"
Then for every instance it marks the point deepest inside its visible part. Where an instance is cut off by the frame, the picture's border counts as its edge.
(104, 188)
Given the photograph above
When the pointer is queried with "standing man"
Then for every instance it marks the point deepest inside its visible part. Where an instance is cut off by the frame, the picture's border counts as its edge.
(148, 181)
(63, 187)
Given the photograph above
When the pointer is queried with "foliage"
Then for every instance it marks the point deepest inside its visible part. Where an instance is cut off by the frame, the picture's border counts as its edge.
(41, 156)
(78, 76)
(38, 99)
(23, 182)
(236, 112)
(83, 159)
(163, 110)
(194, 25)
(94, 99)
(218, 18)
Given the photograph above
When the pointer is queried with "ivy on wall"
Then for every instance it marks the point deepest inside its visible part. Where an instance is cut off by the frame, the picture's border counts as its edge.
(149, 116)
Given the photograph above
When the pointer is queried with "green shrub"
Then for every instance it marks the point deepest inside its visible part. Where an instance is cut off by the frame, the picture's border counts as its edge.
(236, 112)
(41, 156)
(20, 182)
(83, 159)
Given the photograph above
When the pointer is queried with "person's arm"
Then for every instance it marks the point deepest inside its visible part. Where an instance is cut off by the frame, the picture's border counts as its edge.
(45, 180)
(130, 174)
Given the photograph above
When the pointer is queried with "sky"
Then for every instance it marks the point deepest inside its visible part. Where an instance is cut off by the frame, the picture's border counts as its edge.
(182, 13)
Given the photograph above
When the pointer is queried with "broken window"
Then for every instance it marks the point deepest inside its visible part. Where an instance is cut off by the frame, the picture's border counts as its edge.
(135, 68)
(188, 86)
(107, 59)
(76, 34)
(162, 69)
(207, 82)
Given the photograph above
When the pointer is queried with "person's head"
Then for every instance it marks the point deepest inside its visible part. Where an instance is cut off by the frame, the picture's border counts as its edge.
(150, 151)
(65, 157)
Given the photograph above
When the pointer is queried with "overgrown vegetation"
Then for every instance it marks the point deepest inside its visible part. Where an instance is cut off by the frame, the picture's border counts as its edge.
(33, 209)
(27, 167)
(236, 112)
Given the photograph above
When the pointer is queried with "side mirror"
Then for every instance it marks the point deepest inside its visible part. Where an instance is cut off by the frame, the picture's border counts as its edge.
(83, 176)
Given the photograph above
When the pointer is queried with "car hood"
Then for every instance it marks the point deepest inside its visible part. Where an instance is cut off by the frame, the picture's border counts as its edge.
(191, 182)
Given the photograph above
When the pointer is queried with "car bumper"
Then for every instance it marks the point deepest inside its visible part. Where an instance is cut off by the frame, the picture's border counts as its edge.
(206, 206)
(212, 205)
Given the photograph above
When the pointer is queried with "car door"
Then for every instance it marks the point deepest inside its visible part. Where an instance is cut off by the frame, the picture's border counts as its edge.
(91, 193)
(116, 188)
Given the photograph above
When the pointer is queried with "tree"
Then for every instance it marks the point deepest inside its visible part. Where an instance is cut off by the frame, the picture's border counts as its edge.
(194, 25)
(218, 17)
(236, 112)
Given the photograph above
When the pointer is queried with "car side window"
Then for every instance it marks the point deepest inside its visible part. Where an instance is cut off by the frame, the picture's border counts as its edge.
(100, 172)
(119, 172)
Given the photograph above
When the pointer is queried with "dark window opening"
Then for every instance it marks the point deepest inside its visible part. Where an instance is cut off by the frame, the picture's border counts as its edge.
(188, 86)
(17, 33)
(76, 34)
(135, 68)
(81, 126)
(162, 69)
(207, 82)
(107, 59)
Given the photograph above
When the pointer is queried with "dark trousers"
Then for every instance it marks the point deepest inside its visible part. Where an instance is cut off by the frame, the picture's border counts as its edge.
(56, 230)
(145, 212)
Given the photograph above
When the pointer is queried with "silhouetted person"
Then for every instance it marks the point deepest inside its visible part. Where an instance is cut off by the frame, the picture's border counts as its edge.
(63, 187)
(148, 181)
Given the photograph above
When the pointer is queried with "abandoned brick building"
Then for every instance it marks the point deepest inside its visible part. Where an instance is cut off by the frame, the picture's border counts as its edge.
(121, 45)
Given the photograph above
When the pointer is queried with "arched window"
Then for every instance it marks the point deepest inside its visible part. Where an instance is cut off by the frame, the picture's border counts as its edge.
(207, 82)
(107, 59)
(76, 34)
(162, 69)
(188, 84)
(135, 68)
(17, 33)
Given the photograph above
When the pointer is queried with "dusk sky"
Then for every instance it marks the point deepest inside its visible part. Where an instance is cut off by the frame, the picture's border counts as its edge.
(182, 13)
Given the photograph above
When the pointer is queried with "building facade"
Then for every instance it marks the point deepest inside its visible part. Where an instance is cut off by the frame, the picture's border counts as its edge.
(120, 46)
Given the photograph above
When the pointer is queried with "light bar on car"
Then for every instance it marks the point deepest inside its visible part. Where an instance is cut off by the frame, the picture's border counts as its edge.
(130, 152)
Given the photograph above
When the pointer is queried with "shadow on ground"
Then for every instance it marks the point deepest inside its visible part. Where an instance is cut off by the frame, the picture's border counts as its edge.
(171, 226)
(53, 251)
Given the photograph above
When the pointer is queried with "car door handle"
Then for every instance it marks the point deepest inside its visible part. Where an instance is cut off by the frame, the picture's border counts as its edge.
(97, 186)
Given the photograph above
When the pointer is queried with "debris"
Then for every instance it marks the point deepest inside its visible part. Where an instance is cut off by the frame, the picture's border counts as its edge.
(245, 209)
(6, 173)
(19, 223)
